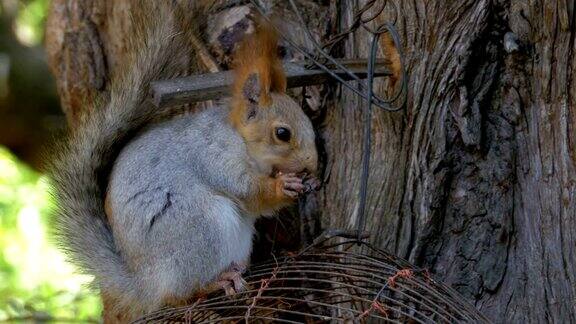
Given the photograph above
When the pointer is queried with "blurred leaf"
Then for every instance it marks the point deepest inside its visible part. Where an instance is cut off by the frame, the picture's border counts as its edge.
(30, 21)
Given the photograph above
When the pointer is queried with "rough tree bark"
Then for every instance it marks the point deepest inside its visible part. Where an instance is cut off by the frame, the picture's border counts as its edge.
(475, 181)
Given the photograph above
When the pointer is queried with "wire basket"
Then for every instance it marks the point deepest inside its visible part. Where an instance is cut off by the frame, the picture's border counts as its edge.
(345, 281)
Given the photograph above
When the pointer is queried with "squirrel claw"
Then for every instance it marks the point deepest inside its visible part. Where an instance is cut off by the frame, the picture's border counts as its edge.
(292, 185)
(231, 280)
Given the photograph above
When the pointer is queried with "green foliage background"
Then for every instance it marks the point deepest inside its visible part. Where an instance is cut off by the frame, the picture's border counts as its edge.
(36, 283)
(35, 280)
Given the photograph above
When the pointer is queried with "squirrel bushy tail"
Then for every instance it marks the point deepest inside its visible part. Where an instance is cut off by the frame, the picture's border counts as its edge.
(158, 50)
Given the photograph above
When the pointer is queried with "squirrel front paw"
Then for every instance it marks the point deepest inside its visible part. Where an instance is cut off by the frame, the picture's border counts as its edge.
(289, 185)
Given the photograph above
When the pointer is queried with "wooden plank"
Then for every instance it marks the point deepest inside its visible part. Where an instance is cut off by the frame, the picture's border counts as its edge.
(217, 85)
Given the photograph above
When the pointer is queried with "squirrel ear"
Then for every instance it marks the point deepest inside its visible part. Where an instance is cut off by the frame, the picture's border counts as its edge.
(252, 88)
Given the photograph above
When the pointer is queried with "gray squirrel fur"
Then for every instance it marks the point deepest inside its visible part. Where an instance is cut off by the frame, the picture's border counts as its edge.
(187, 230)
(175, 193)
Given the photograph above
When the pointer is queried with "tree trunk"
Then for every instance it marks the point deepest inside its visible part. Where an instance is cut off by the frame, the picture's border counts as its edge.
(475, 180)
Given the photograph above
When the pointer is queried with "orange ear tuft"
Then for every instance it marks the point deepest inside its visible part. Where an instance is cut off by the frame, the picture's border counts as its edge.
(257, 55)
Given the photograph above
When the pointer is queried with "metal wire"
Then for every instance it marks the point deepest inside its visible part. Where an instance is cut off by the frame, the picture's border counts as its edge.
(360, 21)
(384, 28)
(330, 285)
(365, 91)
(385, 104)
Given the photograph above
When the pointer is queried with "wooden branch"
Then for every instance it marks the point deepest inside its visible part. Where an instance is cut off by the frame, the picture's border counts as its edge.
(215, 85)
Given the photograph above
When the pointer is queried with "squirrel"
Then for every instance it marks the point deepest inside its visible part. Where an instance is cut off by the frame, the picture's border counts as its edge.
(158, 211)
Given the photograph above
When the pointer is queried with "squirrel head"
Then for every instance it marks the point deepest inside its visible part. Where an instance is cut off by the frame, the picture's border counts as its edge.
(278, 134)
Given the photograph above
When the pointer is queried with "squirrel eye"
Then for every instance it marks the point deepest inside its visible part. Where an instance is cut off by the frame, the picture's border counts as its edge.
(283, 134)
